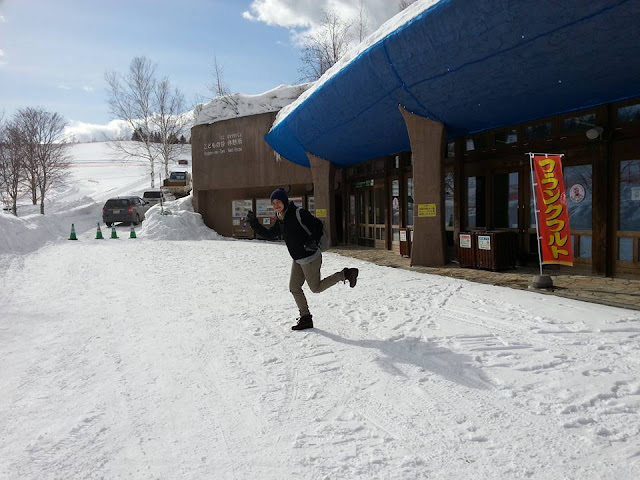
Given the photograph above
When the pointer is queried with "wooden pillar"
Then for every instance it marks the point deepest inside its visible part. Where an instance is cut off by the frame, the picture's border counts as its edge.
(427, 146)
(324, 173)
(601, 201)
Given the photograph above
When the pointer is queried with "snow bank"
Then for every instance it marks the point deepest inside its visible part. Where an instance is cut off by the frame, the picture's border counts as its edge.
(387, 28)
(240, 105)
(180, 222)
(22, 235)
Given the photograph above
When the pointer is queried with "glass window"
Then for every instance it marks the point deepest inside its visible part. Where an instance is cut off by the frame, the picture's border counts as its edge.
(381, 207)
(475, 202)
(581, 123)
(506, 138)
(476, 143)
(630, 196)
(448, 200)
(629, 114)
(409, 201)
(451, 149)
(371, 207)
(585, 246)
(505, 200)
(395, 202)
(578, 182)
(625, 249)
(537, 132)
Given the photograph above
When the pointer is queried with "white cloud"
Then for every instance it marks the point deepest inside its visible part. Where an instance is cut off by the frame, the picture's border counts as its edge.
(62, 86)
(88, 132)
(3, 19)
(88, 88)
(308, 13)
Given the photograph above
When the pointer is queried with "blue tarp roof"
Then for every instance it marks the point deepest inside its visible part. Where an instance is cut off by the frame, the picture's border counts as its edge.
(473, 65)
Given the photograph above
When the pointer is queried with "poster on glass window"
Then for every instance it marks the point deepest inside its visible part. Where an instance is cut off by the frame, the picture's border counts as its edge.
(239, 210)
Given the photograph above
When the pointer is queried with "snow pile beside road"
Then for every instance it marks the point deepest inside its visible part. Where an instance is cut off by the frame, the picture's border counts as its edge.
(22, 235)
(181, 223)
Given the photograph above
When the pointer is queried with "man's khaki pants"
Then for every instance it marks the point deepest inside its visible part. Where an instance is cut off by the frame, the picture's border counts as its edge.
(311, 273)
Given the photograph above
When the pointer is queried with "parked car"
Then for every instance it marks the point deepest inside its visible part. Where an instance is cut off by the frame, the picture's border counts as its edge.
(183, 162)
(124, 209)
(153, 196)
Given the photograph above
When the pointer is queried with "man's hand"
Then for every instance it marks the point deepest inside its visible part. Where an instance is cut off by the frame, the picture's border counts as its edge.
(250, 217)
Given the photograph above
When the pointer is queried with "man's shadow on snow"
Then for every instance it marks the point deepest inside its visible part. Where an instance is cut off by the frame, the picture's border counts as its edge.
(430, 356)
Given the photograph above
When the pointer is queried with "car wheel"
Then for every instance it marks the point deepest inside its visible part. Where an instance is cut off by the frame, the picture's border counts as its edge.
(108, 224)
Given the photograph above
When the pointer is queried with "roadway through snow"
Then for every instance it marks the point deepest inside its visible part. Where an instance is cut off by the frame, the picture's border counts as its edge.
(160, 359)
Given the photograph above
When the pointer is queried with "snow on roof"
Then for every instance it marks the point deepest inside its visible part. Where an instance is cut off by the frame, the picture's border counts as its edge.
(241, 105)
(387, 28)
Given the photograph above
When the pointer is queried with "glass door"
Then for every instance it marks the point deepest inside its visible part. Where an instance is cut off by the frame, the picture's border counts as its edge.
(578, 183)
(366, 220)
(628, 234)
(395, 215)
(380, 216)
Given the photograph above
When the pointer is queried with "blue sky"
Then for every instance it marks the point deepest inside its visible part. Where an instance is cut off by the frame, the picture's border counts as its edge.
(55, 53)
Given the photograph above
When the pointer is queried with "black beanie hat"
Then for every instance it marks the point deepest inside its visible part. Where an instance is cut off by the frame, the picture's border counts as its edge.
(281, 195)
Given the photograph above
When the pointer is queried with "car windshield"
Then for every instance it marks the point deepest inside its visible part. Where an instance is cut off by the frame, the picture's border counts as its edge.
(151, 195)
(178, 176)
(117, 203)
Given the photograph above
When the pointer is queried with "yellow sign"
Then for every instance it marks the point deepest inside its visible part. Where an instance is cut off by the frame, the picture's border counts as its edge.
(321, 212)
(426, 210)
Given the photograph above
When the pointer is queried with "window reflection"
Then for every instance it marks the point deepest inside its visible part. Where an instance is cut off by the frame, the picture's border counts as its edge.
(629, 114)
(448, 200)
(578, 182)
(630, 195)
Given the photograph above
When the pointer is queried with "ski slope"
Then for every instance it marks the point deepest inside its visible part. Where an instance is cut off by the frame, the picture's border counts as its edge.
(171, 356)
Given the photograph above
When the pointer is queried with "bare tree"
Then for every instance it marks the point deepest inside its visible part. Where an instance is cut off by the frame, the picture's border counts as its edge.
(402, 4)
(11, 166)
(219, 88)
(362, 21)
(150, 106)
(51, 151)
(42, 146)
(324, 47)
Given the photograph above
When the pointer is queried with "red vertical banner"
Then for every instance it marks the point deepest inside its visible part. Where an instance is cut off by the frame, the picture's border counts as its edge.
(553, 214)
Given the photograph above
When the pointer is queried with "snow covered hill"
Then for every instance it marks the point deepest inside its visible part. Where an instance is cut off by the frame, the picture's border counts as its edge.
(170, 356)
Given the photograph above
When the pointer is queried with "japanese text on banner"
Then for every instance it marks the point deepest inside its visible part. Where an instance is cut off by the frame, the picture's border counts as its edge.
(553, 215)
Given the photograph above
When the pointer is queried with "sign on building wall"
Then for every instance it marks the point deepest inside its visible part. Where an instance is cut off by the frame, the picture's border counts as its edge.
(553, 214)
(484, 242)
(227, 143)
(465, 240)
(321, 213)
(240, 208)
(426, 210)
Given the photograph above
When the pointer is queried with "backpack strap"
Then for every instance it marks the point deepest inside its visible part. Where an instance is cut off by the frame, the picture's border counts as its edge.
(306, 229)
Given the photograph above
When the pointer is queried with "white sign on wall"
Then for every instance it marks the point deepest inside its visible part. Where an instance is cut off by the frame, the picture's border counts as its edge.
(635, 194)
(484, 242)
(227, 143)
(465, 240)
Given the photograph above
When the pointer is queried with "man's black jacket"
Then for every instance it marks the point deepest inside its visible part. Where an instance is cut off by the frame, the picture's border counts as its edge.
(294, 235)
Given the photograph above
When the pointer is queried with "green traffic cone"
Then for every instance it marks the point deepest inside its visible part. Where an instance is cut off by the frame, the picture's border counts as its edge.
(72, 236)
(99, 233)
(132, 234)
(113, 232)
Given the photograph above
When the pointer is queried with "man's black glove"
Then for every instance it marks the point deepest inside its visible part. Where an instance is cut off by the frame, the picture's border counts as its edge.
(250, 217)
(311, 245)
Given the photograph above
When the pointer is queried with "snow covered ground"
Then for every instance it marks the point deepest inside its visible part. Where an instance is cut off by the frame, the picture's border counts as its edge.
(170, 356)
